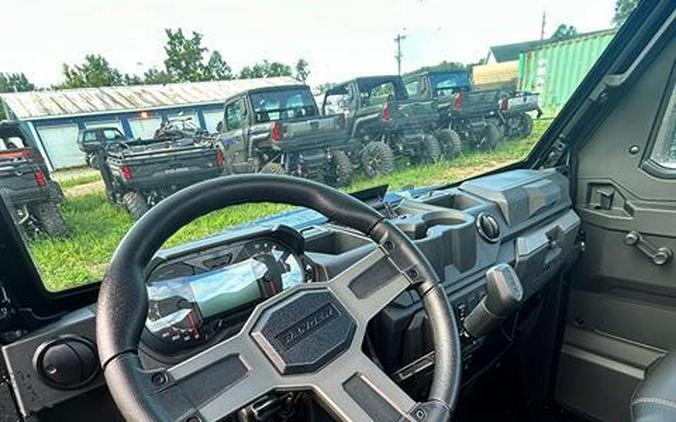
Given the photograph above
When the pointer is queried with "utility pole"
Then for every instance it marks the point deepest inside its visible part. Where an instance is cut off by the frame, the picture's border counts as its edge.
(542, 27)
(398, 39)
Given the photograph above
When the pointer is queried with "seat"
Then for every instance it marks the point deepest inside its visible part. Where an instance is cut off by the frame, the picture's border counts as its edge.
(655, 397)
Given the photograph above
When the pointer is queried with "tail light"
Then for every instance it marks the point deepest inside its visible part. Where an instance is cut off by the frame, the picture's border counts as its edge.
(387, 114)
(276, 131)
(126, 172)
(504, 104)
(219, 158)
(40, 178)
(457, 101)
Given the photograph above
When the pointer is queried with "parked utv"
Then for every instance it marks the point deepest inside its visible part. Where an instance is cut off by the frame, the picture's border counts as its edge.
(25, 184)
(140, 173)
(514, 109)
(467, 119)
(279, 130)
(384, 122)
(90, 141)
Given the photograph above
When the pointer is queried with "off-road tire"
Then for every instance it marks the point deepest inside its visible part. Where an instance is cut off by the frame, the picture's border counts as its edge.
(50, 219)
(491, 138)
(525, 126)
(451, 144)
(377, 159)
(502, 128)
(93, 161)
(430, 149)
(272, 168)
(340, 170)
(136, 204)
(55, 192)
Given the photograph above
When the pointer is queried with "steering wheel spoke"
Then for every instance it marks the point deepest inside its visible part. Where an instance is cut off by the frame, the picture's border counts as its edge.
(358, 390)
(369, 285)
(225, 377)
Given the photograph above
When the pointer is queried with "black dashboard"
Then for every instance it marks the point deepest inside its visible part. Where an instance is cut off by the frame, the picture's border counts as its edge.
(202, 292)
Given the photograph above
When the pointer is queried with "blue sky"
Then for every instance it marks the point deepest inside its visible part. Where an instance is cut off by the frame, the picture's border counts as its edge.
(340, 39)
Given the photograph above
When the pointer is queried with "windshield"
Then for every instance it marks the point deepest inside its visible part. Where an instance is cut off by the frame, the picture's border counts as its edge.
(283, 105)
(355, 95)
(449, 83)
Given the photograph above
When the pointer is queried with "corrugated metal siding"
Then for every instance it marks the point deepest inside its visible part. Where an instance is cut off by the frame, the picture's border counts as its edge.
(556, 69)
(76, 102)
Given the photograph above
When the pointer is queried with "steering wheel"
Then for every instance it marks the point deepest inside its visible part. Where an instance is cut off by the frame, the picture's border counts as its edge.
(306, 338)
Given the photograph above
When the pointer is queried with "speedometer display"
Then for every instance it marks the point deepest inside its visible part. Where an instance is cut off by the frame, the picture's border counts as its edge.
(189, 311)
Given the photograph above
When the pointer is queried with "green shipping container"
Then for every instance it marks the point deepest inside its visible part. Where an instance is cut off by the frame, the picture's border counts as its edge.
(554, 70)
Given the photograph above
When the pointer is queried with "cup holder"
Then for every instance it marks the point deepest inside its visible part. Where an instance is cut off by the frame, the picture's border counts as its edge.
(455, 201)
(420, 228)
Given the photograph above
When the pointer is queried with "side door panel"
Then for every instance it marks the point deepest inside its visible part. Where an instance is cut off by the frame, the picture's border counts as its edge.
(622, 306)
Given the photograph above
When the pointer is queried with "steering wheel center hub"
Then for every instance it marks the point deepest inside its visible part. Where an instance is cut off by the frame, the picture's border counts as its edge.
(305, 331)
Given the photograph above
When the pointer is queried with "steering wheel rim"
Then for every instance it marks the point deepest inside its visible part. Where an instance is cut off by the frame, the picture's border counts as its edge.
(180, 392)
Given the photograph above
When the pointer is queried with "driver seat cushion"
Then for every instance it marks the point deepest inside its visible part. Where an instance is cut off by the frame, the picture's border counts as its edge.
(655, 397)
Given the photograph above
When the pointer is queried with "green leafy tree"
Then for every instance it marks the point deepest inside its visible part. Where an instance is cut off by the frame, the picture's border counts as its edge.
(216, 68)
(154, 76)
(13, 82)
(302, 70)
(265, 69)
(443, 67)
(184, 62)
(323, 88)
(132, 79)
(564, 31)
(94, 72)
(623, 8)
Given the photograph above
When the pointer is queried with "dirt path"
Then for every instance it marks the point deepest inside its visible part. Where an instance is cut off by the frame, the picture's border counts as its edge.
(84, 189)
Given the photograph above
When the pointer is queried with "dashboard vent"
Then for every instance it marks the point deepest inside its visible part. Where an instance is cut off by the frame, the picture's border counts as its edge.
(488, 227)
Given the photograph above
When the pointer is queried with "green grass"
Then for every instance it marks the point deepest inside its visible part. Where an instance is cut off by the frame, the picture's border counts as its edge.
(98, 226)
(80, 180)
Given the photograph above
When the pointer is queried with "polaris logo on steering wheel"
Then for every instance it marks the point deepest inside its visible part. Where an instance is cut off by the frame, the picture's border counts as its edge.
(302, 329)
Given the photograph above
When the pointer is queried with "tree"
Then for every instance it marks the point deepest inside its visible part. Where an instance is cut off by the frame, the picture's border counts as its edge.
(623, 9)
(94, 72)
(443, 67)
(130, 79)
(323, 88)
(216, 68)
(13, 82)
(185, 61)
(184, 56)
(564, 31)
(302, 70)
(154, 76)
(265, 69)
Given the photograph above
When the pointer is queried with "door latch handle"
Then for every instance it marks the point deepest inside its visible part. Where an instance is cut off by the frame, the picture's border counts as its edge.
(658, 255)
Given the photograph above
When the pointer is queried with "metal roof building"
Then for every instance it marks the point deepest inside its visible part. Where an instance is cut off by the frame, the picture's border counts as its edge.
(54, 118)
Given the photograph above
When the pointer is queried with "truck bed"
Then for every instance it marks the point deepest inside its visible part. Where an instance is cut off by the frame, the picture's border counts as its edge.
(469, 104)
(18, 182)
(301, 134)
(413, 114)
(149, 165)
